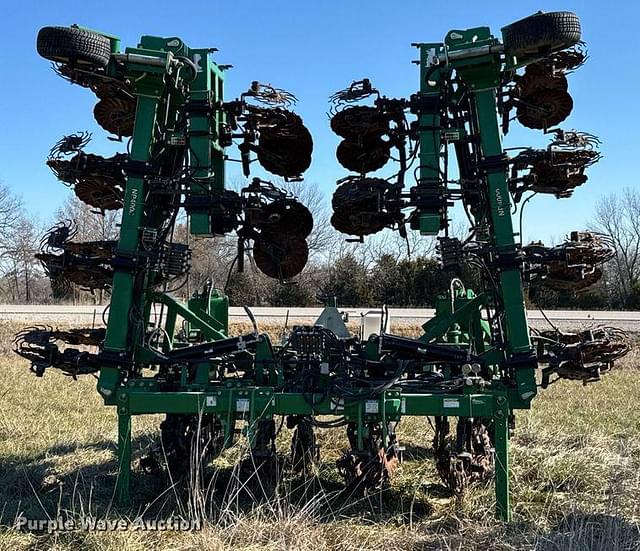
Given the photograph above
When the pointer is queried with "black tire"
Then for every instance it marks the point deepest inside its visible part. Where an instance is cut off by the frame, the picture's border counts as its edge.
(74, 46)
(541, 33)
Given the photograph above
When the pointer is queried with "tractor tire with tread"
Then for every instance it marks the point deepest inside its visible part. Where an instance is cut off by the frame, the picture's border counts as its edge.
(541, 33)
(74, 46)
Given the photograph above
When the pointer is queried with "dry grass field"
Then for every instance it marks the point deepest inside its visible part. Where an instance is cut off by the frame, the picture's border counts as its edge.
(575, 479)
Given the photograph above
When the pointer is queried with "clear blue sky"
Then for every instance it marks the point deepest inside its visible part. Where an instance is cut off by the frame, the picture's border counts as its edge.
(313, 49)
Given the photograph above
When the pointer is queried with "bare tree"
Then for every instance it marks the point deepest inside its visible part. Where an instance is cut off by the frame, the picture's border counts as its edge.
(10, 211)
(618, 216)
(22, 273)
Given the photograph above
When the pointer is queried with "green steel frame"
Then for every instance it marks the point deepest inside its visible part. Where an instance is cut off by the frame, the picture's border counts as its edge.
(162, 87)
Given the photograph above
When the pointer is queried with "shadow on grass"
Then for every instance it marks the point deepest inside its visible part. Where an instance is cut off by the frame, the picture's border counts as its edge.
(36, 485)
(591, 532)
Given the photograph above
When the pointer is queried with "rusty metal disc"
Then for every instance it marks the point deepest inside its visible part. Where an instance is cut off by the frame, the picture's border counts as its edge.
(543, 79)
(116, 115)
(465, 458)
(372, 466)
(304, 449)
(278, 122)
(287, 216)
(544, 109)
(280, 256)
(559, 180)
(287, 152)
(363, 156)
(99, 194)
(359, 207)
(567, 278)
(359, 121)
(91, 277)
(356, 222)
(85, 336)
(285, 144)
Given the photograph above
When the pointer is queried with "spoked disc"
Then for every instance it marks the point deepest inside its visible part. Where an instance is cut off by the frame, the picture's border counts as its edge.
(304, 451)
(188, 443)
(285, 144)
(280, 256)
(536, 80)
(287, 216)
(359, 207)
(371, 467)
(362, 156)
(99, 194)
(359, 121)
(116, 115)
(467, 458)
(544, 109)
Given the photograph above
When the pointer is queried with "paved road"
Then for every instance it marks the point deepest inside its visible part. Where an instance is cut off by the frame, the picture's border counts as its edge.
(87, 314)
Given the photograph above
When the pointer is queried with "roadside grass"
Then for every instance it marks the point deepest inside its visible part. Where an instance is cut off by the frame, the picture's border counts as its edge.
(575, 478)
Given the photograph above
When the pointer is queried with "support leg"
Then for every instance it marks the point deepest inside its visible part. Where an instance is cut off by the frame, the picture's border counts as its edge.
(123, 496)
(503, 510)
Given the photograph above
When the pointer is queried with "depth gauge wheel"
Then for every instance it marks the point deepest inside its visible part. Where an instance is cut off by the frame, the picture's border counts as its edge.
(541, 33)
(74, 46)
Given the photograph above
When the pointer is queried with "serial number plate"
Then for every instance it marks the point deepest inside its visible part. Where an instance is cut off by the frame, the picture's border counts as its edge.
(242, 405)
(371, 406)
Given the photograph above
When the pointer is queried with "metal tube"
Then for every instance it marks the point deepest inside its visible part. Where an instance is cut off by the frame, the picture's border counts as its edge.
(457, 55)
(122, 492)
(503, 509)
(141, 59)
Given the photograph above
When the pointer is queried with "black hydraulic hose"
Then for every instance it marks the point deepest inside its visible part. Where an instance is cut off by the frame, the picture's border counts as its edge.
(430, 352)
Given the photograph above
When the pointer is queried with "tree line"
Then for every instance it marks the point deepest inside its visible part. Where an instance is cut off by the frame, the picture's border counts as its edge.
(385, 269)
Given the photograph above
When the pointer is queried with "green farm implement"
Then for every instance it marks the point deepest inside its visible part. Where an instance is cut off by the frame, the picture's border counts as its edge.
(476, 361)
